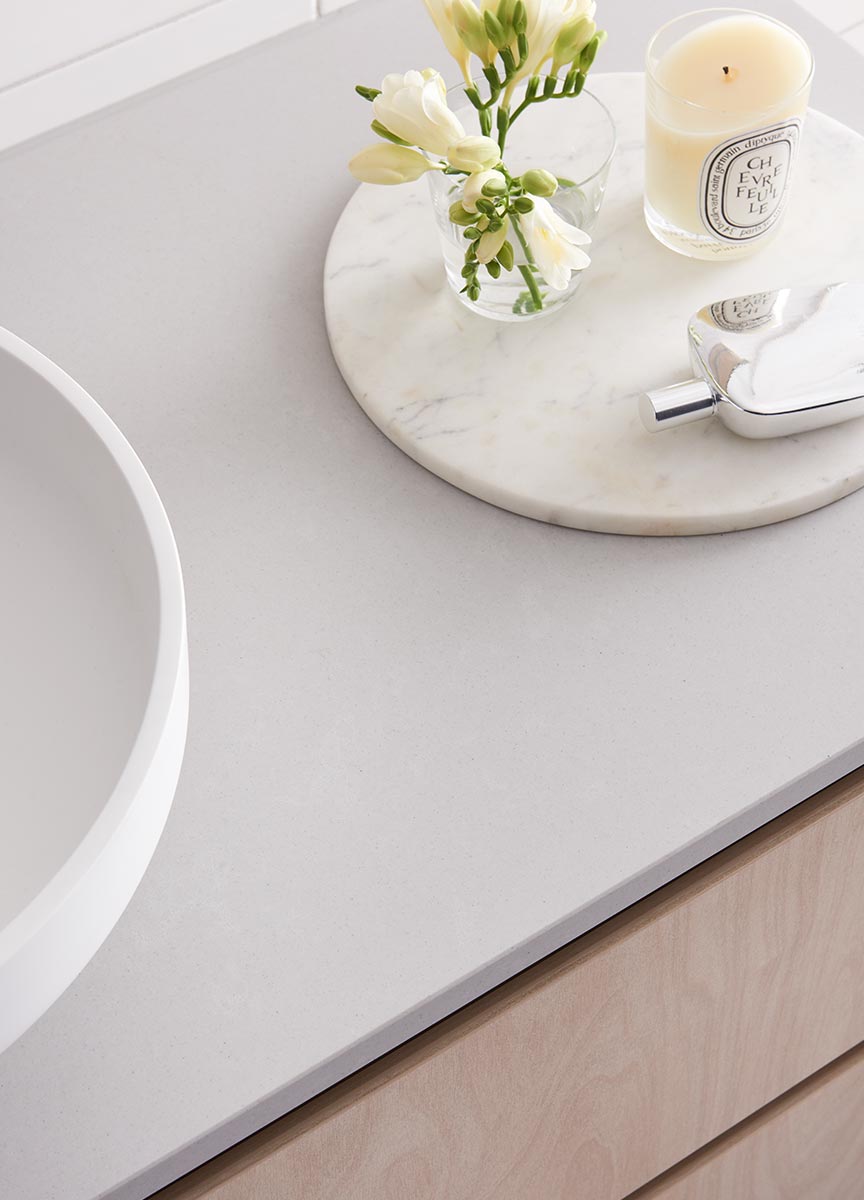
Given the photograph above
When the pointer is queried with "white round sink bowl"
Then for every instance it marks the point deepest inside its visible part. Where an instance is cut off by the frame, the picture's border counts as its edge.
(93, 679)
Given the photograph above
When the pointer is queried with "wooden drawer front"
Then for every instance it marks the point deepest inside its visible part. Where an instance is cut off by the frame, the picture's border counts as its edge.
(612, 1060)
(809, 1145)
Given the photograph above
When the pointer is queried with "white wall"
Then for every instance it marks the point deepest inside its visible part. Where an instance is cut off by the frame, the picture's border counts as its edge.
(39, 35)
(65, 59)
(36, 35)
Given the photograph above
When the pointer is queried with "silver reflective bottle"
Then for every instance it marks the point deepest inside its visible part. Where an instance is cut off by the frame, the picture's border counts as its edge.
(771, 364)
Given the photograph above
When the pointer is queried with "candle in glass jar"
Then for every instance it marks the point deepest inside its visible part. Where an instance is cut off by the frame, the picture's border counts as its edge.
(726, 94)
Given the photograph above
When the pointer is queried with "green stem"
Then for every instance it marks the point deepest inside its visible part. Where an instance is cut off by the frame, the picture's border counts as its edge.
(541, 99)
(528, 275)
(525, 268)
(519, 111)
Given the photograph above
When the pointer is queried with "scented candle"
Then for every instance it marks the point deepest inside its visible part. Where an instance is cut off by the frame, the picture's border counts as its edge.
(726, 95)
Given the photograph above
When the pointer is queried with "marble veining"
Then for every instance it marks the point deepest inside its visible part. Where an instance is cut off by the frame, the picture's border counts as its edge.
(541, 419)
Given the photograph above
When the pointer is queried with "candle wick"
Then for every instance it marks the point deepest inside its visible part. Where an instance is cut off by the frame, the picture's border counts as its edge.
(725, 70)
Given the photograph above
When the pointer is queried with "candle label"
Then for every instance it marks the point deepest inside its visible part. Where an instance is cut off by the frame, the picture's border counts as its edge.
(744, 182)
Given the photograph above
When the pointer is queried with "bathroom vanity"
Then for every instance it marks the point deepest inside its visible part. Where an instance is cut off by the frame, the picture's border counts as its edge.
(704, 1043)
(506, 860)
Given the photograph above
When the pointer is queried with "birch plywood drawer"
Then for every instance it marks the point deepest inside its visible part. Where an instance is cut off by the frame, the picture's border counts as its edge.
(614, 1059)
(808, 1145)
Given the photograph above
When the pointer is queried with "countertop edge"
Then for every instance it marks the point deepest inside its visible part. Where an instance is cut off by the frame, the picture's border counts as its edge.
(415, 1021)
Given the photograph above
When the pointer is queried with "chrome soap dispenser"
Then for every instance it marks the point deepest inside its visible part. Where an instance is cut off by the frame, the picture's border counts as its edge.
(771, 364)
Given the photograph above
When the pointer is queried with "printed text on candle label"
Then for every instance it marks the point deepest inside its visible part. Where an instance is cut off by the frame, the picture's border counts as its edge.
(744, 182)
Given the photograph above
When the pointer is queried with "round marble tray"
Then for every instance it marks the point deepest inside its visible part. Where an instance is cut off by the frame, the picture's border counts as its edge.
(542, 418)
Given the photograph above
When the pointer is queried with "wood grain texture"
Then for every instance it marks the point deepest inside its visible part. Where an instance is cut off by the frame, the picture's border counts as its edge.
(808, 1145)
(613, 1059)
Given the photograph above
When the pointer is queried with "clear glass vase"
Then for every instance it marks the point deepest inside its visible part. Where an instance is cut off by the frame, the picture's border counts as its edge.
(574, 139)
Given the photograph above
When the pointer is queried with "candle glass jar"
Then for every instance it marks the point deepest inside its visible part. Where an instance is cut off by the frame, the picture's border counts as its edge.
(718, 173)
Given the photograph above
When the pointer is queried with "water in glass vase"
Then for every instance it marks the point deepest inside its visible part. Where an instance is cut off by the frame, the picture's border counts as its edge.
(575, 142)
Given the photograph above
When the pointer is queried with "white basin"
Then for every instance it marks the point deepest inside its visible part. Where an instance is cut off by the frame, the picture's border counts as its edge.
(93, 679)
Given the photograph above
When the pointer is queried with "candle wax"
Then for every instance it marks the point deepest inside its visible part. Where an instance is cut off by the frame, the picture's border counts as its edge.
(764, 64)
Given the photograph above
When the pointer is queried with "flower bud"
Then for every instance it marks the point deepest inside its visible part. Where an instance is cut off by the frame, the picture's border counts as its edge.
(506, 257)
(495, 186)
(495, 31)
(572, 39)
(473, 154)
(475, 187)
(588, 55)
(490, 244)
(385, 163)
(471, 29)
(459, 215)
(539, 183)
(523, 204)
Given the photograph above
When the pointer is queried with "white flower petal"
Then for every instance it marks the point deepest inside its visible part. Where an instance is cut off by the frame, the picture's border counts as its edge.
(414, 107)
(570, 233)
(388, 164)
(554, 244)
(441, 12)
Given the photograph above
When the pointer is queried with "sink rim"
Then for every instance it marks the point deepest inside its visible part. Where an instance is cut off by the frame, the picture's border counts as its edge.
(150, 771)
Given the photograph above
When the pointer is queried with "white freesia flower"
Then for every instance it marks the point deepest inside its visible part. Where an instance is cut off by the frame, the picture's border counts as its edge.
(545, 21)
(386, 163)
(414, 107)
(554, 244)
(474, 153)
(474, 186)
(441, 12)
(489, 243)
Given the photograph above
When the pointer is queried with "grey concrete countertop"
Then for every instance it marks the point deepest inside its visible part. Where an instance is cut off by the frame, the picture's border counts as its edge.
(430, 741)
